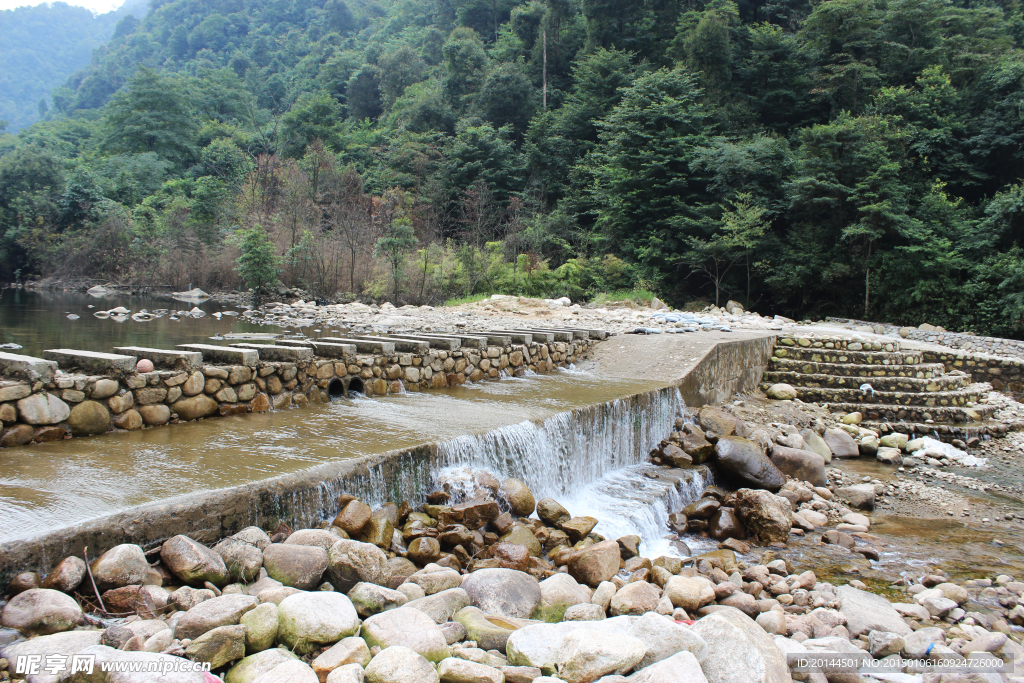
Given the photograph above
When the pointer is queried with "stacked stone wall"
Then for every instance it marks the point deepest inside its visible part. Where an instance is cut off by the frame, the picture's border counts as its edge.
(72, 404)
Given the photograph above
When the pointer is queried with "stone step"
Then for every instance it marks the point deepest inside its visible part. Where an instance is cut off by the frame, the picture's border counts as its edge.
(943, 432)
(556, 335)
(165, 359)
(899, 398)
(950, 382)
(920, 371)
(280, 354)
(490, 338)
(29, 368)
(92, 362)
(469, 341)
(321, 348)
(364, 345)
(855, 357)
(435, 341)
(227, 355)
(398, 344)
(516, 337)
(843, 343)
(894, 413)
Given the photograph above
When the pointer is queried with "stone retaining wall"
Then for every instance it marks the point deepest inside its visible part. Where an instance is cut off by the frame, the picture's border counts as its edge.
(72, 404)
(1004, 374)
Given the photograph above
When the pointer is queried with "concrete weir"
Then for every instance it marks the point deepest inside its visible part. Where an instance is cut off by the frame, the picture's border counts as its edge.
(584, 444)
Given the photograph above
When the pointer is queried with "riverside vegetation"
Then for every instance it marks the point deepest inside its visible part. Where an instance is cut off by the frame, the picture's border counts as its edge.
(842, 157)
(484, 584)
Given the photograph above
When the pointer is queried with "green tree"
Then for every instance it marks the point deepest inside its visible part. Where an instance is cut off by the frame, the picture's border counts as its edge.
(737, 235)
(154, 114)
(258, 265)
(393, 246)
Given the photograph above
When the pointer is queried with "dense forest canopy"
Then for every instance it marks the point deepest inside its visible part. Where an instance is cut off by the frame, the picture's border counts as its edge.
(41, 46)
(836, 157)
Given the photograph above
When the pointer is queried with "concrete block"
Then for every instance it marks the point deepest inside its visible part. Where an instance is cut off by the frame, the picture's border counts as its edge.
(166, 359)
(224, 354)
(92, 362)
(26, 367)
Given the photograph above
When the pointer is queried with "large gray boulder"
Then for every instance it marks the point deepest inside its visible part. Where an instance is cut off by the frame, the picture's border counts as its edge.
(139, 667)
(441, 607)
(298, 566)
(540, 645)
(743, 462)
(866, 612)
(400, 665)
(841, 444)
(225, 610)
(370, 599)
(800, 464)
(681, 667)
(739, 651)
(67, 644)
(663, 638)
(861, 496)
(814, 442)
(586, 655)
(406, 627)
(122, 565)
(41, 611)
(243, 560)
(254, 666)
(350, 562)
(307, 621)
(765, 514)
(434, 578)
(193, 562)
(558, 593)
(504, 592)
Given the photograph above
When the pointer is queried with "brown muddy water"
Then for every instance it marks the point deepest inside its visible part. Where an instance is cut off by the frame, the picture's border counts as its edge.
(46, 486)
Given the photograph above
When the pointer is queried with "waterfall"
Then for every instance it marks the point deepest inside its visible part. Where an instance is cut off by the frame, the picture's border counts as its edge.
(569, 450)
(592, 460)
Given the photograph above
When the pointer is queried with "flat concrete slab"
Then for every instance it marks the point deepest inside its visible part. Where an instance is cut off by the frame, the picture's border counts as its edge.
(364, 345)
(435, 341)
(224, 354)
(556, 335)
(321, 348)
(281, 354)
(514, 336)
(26, 367)
(537, 335)
(92, 362)
(406, 345)
(576, 334)
(480, 341)
(165, 359)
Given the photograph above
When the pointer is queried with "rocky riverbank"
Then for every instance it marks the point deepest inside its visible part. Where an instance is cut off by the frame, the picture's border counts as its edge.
(482, 583)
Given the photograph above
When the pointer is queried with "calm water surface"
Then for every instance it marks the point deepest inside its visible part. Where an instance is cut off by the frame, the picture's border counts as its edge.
(38, 320)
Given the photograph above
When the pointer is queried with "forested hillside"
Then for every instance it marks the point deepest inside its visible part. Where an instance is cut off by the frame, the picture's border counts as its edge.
(41, 46)
(844, 157)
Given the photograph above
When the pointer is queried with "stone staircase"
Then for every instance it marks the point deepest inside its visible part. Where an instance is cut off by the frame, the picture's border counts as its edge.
(904, 393)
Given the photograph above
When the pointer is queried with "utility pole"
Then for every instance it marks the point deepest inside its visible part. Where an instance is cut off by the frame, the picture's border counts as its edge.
(545, 34)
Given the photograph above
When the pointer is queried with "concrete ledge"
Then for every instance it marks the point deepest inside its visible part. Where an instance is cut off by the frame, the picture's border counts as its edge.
(322, 349)
(92, 362)
(26, 367)
(478, 342)
(364, 345)
(514, 336)
(556, 335)
(406, 345)
(435, 341)
(272, 352)
(224, 354)
(576, 333)
(164, 359)
(539, 336)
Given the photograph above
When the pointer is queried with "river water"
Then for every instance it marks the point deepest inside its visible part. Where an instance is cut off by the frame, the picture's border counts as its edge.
(38, 320)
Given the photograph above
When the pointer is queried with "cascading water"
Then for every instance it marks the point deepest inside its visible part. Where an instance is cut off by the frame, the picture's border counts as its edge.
(591, 460)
